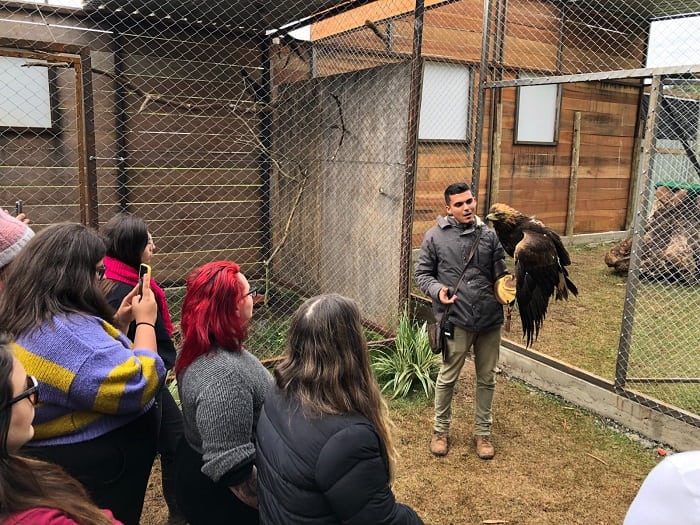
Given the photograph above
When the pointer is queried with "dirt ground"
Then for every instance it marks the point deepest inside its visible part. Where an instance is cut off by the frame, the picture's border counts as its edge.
(554, 464)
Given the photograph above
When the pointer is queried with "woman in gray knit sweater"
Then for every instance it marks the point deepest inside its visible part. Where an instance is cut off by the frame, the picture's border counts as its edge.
(222, 388)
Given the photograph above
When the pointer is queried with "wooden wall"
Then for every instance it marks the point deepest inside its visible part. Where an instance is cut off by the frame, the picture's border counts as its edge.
(538, 38)
(195, 173)
(535, 178)
(41, 166)
(191, 129)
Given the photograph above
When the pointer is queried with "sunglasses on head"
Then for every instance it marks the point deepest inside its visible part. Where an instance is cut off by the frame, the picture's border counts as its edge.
(31, 393)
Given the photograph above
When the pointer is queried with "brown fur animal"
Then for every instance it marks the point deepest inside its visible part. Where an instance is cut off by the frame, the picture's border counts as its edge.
(540, 265)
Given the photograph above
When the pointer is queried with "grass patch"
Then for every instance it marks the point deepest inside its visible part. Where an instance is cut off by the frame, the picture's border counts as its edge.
(585, 330)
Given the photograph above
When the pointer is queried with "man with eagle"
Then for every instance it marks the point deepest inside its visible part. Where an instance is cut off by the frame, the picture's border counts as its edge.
(462, 245)
(461, 266)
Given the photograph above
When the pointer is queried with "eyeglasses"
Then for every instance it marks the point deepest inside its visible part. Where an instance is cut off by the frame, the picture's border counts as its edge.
(31, 393)
(101, 272)
(253, 292)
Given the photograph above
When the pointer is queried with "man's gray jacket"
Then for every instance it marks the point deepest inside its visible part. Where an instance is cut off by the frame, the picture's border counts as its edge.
(444, 252)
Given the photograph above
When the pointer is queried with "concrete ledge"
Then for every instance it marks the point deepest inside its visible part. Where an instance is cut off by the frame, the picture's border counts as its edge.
(595, 238)
(602, 401)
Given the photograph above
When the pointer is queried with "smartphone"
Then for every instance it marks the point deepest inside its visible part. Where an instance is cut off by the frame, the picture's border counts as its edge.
(143, 270)
(18, 207)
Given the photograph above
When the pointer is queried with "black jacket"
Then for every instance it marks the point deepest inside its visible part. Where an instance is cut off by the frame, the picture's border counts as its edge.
(166, 348)
(327, 470)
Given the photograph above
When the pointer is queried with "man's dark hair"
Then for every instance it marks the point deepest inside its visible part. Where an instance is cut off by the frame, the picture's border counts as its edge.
(455, 189)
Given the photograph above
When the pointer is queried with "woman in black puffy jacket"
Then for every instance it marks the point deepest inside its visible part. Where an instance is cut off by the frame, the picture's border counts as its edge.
(324, 452)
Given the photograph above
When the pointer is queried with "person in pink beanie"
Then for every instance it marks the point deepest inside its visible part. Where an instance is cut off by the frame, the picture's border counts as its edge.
(14, 234)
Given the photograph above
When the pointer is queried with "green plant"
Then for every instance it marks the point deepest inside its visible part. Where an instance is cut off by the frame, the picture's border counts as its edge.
(171, 385)
(409, 363)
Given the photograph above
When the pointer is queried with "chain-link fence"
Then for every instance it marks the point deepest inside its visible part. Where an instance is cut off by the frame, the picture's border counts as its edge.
(311, 141)
(661, 324)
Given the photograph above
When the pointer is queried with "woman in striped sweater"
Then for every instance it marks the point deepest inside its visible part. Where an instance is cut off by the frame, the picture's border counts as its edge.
(95, 418)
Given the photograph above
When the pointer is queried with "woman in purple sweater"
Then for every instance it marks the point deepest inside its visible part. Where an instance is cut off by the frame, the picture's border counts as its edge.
(34, 492)
(95, 418)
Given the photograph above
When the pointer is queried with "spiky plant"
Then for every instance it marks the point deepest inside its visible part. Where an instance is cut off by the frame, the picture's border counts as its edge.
(409, 363)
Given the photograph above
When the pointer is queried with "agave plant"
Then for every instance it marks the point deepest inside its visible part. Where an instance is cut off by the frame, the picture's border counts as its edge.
(409, 363)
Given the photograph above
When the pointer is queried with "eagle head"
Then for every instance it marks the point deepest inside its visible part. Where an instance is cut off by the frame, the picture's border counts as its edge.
(503, 213)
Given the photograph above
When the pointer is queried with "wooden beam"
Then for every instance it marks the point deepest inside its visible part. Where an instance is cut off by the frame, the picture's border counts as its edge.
(573, 179)
(496, 155)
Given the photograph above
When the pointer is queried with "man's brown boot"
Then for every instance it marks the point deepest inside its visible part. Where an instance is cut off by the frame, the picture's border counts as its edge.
(484, 448)
(440, 443)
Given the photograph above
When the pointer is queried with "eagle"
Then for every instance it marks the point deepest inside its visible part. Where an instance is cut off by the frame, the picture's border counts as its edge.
(540, 264)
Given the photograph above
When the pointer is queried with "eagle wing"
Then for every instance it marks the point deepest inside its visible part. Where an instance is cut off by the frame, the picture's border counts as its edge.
(538, 272)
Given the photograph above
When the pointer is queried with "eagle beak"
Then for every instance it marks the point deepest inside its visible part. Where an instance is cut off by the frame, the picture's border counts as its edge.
(490, 217)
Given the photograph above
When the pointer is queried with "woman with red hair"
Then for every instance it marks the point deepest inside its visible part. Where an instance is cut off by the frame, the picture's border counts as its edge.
(222, 388)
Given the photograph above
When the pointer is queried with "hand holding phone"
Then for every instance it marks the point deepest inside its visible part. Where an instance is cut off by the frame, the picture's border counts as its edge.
(144, 269)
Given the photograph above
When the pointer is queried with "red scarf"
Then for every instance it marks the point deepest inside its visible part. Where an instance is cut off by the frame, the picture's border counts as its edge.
(122, 272)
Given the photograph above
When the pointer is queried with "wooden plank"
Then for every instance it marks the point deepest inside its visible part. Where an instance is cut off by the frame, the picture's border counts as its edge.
(528, 54)
(193, 176)
(195, 144)
(25, 177)
(536, 14)
(190, 47)
(437, 154)
(463, 16)
(202, 241)
(183, 209)
(573, 181)
(449, 43)
(196, 124)
(170, 268)
(167, 233)
(199, 193)
(374, 11)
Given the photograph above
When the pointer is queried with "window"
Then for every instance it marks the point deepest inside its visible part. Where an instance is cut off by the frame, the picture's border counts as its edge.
(26, 101)
(537, 114)
(444, 105)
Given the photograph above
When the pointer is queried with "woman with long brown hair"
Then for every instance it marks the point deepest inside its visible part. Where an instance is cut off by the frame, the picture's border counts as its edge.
(324, 448)
(33, 491)
(97, 418)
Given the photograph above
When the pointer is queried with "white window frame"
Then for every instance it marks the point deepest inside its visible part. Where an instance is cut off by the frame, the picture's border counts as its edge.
(537, 111)
(26, 95)
(445, 102)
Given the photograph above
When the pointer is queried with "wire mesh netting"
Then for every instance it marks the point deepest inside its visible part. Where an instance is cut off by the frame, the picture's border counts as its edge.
(311, 141)
(660, 335)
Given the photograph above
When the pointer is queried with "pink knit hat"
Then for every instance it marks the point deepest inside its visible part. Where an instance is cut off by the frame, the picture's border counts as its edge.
(14, 234)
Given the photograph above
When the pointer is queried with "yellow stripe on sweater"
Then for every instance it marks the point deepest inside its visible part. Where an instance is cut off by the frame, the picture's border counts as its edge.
(45, 370)
(110, 392)
(63, 425)
(150, 372)
(110, 329)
